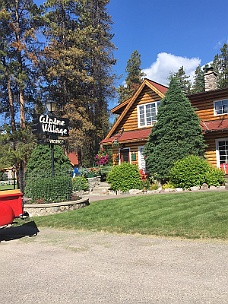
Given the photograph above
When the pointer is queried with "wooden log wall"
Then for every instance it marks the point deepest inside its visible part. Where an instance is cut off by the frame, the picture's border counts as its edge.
(130, 121)
(210, 149)
(210, 140)
(204, 107)
(133, 150)
(204, 104)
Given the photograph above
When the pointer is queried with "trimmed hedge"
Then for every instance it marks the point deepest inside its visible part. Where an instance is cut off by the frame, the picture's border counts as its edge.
(124, 177)
(194, 171)
(40, 184)
(214, 177)
(51, 189)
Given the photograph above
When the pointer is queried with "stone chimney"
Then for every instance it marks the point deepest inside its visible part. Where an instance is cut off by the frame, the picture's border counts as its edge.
(210, 78)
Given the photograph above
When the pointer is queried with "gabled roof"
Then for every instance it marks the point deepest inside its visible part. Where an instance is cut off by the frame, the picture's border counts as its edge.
(214, 125)
(119, 108)
(158, 86)
(139, 135)
(159, 89)
(219, 93)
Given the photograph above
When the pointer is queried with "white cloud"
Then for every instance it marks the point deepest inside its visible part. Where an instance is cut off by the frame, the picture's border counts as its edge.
(165, 64)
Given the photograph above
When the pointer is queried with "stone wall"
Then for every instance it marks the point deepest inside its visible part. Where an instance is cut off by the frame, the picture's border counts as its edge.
(54, 208)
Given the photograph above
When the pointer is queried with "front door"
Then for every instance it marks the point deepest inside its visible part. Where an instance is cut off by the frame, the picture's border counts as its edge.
(124, 155)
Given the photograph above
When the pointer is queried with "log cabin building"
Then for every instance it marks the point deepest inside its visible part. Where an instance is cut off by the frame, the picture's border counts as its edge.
(137, 115)
(212, 109)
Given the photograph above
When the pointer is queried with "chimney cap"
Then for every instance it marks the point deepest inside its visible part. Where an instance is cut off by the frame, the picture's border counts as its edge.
(210, 69)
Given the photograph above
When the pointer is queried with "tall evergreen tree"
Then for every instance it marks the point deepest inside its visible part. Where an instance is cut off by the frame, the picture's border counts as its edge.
(63, 71)
(220, 65)
(184, 81)
(133, 79)
(176, 134)
(199, 83)
(18, 21)
(95, 26)
(78, 64)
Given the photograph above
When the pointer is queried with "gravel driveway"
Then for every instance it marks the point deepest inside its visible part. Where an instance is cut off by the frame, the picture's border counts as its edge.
(61, 266)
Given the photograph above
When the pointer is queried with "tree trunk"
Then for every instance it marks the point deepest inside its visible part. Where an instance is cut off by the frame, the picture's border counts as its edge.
(22, 110)
(11, 105)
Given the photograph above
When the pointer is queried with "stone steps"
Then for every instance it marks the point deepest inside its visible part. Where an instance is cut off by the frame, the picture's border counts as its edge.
(101, 188)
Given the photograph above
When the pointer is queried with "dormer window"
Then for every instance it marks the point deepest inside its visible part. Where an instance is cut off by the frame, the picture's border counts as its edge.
(147, 114)
(221, 107)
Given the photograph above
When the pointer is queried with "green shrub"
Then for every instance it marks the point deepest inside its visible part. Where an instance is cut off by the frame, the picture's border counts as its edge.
(124, 177)
(154, 186)
(80, 183)
(189, 171)
(168, 185)
(50, 189)
(214, 177)
(40, 161)
(146, 183)
(194, 171)
(39, 174)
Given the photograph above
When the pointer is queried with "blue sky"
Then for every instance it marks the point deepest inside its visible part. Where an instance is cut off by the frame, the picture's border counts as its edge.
(167, 33)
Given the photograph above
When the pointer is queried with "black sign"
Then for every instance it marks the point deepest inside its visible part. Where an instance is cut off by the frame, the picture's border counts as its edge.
(52, 126)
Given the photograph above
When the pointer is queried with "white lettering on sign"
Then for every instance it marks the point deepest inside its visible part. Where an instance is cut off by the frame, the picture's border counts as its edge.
(53, 125)
(55, 141)
(45, 119)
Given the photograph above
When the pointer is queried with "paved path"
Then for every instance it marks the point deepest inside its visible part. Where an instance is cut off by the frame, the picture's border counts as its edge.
(60, 266)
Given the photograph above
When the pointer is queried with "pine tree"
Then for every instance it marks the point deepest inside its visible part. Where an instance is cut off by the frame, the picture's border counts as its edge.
(220, 65)
(18, 21)
(78, 61)
(176, 134)
(184, 81)
(63, 70)
(95, 26)
(199, 83)
(133, 79)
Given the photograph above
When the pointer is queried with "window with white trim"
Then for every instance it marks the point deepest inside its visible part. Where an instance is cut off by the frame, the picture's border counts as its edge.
(147, 114)
(222, 151)
(221, 107)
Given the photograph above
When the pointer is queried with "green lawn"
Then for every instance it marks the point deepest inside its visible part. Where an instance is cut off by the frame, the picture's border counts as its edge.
(189, 215)
(7, 187)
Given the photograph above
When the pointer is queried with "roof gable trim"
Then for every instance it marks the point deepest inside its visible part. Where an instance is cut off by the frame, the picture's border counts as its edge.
(146, 82)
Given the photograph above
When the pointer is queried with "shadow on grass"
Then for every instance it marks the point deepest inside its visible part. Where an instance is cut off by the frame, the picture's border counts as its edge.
(17, 232)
